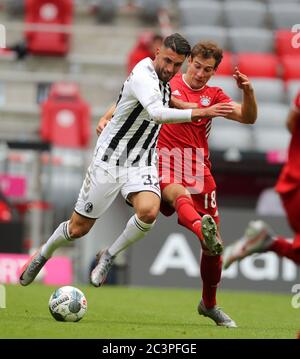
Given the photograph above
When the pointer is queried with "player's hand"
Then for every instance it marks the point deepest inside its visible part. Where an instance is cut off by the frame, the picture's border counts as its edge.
(219, 109)
(101, 124)
(242, 81)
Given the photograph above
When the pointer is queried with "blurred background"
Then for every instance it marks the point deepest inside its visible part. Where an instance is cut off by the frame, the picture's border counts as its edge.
(64, 64)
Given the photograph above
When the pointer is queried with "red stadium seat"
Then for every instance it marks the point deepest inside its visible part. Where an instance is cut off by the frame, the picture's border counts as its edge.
(65, 117)
(48, 13)
(290, 66)
(226, 66)
(284, 43)
(258, 65)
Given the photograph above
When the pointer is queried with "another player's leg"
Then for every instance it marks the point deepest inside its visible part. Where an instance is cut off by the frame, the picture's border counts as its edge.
(287, 248)
(146, 205)
(257, 238)
(260, 238)
(280, 245)
(67, 231)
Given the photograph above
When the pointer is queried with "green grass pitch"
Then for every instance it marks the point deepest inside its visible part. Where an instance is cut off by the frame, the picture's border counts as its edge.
(120, 312)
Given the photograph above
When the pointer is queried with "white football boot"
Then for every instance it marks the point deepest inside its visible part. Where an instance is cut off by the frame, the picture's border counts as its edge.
(32, 268)
(217, 315)
(100, 272)
(257, 238)
(210, 237)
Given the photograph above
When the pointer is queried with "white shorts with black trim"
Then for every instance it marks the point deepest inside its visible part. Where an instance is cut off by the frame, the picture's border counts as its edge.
(102, 185)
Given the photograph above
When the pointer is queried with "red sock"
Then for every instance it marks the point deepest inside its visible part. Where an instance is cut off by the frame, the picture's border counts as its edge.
(211, 269)
(285, 248)
(187, 215)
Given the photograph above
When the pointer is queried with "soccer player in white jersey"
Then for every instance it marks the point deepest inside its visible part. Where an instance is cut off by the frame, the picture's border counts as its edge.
(124, 161)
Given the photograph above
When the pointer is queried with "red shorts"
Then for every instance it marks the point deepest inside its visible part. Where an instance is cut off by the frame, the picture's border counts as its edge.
(291, 203)
(204, 202)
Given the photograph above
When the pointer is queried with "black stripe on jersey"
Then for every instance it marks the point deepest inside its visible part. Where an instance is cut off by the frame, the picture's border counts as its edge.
(132, 142)
(122, 132)
(165, 90)
(164, 93)
(146, 144)
(169, 93)
(149, 160)
(120, 96)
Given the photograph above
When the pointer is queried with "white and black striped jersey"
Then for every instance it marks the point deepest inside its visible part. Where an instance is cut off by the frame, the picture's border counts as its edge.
(130, 137)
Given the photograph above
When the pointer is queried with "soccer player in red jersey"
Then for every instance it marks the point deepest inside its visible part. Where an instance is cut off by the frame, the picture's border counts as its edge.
(196, 203)
(258, 235)
(190, 198)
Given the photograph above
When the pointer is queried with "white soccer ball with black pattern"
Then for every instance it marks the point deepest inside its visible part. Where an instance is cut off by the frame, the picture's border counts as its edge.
(67, 304)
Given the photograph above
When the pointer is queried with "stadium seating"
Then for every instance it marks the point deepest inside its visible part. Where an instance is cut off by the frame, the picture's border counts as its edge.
(269, 2)
(258, 65)
(15, 7)
(272, 115)
(271, 139)
(250, 40)
(149, 9)
(227, 64)
(231, 135)
(245, 13)
(227, 83)
(193, 13)
(48, 13)
(65, 117)
(284, 43)
(290, 66)
(284, 15)
(268, 89)
(195, 34)
(105, 10)
(293, 86)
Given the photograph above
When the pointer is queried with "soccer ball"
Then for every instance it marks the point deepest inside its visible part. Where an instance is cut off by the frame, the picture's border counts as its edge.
(67, 304)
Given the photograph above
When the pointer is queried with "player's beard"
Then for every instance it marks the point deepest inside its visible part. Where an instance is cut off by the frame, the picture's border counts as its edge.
(164, 76)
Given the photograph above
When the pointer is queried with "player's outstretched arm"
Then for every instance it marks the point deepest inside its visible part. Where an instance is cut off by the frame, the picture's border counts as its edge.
(103, 121)
(161, 114)
(218, 110)
(246, 112)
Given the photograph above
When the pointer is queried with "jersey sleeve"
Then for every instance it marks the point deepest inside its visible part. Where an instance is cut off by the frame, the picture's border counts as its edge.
(144, 86)
(222, 97)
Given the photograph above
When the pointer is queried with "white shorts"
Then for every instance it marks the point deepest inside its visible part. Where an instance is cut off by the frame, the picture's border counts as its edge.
(101, 187)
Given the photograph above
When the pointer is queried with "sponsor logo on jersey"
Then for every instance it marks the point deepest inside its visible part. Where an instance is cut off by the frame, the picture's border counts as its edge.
(176, 93)
(88, 207)
(205, 100)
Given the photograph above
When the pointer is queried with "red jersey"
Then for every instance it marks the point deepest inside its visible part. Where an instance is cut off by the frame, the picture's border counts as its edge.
(289, 178)
(193, 135)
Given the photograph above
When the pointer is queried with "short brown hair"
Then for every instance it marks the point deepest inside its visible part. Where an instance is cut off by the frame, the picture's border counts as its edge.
(208, 49)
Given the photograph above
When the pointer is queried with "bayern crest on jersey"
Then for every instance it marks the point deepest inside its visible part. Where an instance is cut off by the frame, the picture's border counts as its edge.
(205, 100)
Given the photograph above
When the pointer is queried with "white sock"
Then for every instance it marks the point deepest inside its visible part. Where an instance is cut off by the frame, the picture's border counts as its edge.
(134, 231)
(59, 238)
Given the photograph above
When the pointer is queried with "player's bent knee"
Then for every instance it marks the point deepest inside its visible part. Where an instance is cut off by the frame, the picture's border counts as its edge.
(147, 215)
(78, 231)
